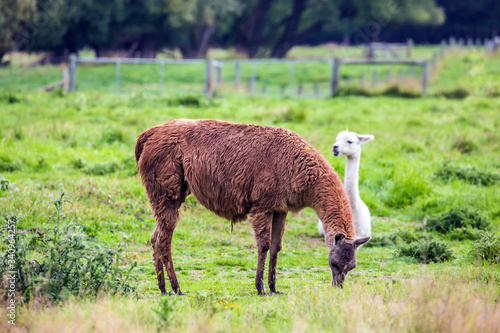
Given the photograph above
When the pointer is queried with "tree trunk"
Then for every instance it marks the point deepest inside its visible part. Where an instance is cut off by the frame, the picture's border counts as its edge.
(288, 39)
(187, 51)
(252, 32)
(203, 42)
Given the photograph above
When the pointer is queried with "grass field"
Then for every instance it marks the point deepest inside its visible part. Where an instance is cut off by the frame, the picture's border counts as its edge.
(430, 155)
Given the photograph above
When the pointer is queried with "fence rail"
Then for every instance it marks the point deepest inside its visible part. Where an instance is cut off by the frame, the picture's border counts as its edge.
(213, 79)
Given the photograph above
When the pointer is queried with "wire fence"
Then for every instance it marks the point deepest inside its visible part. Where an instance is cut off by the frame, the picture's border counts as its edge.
(306, 78)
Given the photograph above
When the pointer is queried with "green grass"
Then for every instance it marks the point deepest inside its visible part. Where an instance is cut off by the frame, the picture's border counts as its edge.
(85, 141)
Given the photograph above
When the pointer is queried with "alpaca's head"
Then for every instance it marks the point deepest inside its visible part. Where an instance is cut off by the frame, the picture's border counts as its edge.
(342, 257)
(349, 143)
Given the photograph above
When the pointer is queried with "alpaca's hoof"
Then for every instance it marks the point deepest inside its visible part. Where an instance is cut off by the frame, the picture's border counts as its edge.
(276, 292)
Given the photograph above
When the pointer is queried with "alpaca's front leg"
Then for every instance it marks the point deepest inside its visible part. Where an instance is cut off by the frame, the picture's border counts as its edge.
(261, 224)
(276, 236)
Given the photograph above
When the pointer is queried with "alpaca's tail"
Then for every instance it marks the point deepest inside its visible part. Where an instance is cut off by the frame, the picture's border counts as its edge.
(141, 140)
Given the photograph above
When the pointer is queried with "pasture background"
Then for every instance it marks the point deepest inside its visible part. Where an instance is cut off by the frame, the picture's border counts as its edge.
(85, 141)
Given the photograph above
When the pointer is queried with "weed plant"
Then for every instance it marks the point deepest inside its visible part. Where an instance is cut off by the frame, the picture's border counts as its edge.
(487, 248)
(61, 261)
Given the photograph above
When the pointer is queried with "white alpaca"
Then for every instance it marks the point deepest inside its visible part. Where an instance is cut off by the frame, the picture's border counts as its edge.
(349, 144)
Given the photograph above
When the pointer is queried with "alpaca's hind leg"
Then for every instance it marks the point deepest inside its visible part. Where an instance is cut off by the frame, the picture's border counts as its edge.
(276, 236)
(160, 275)
(166, 226)
(261, 224)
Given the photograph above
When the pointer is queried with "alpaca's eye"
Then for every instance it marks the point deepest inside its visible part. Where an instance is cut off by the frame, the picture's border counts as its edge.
(349, 142)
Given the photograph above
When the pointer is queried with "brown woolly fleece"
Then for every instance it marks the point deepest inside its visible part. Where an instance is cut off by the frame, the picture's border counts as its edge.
(236, 170)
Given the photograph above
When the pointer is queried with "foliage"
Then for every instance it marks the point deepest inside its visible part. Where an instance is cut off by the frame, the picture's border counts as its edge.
(457, 93)
(5, 184)
(8, 164)
(457, 218)
(425, 250)
(467, 233)
(487, 248)
(13, 13)
(61, 261)
(270, 27)
(469, 174)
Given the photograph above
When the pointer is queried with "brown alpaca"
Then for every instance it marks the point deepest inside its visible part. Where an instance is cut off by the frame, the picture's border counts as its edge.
(236, 170)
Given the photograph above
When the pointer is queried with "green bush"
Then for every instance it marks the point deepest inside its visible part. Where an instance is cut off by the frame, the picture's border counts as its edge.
(466, 233)
(487, 248)
(469, 174)
(464, 146)
(191, 101)
(101, 169)
(8, 164)
(5, 184)
(457, 218)
(425, 251)
(396, 91)
(111, 136)
(9, 98)
(457, 93)
(61, 261)
(291, 115)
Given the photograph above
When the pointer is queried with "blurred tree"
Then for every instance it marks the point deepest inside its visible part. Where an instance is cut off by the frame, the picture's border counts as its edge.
(194, 22)
(14, 16)
(273, 27)
(69, 25)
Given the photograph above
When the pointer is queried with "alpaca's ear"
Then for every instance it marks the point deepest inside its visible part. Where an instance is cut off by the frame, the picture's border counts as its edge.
(361, 241)
(364, 138)
(339, 238)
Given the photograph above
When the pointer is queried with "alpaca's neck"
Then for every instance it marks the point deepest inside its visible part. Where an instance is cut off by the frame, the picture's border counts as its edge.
(331, 203)
(351, 178)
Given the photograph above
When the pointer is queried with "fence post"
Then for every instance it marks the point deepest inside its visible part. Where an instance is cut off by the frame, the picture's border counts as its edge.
(117, 77)
(72, 73)
(316, 90)
(453, 43)
(443, 48)
(461, 43)
(162, 73)
(208, 77)
(334, 79)
(478, 43)
(425, 80)
(362, 81)
(218, 77)
(470, 44)
(264, 89)
(65, 78)
(434, 62)
(409, 47)
(299, 89)
(237, 75)
(254, 75)
(292, 75)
